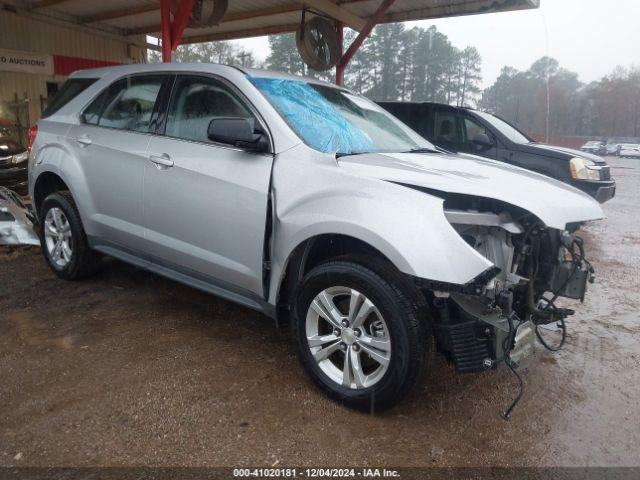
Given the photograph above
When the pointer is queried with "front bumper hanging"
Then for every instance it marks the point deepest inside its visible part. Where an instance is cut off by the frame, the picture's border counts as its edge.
(16, 223)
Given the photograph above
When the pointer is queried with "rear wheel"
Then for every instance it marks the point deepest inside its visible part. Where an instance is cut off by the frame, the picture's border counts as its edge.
(62, 237)
(359, 334)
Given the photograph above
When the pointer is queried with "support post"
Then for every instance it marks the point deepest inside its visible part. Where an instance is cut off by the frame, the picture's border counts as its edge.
(353, 48)
(172, 32)
(340, 68)
(180, 22)
(165, 23)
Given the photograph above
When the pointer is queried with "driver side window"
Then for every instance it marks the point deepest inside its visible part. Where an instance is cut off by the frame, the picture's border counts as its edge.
(471, 129)
(196, 101)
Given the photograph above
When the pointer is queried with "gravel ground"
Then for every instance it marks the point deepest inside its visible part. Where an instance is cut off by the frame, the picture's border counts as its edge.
(128, 368)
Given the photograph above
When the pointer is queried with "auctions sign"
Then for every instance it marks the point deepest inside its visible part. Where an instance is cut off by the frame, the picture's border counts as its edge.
(26, 62)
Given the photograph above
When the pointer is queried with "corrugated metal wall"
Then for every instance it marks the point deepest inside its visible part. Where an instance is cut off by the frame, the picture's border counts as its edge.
(18, 32)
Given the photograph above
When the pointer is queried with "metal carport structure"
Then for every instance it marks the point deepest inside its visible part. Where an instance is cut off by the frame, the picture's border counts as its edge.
(173, 20)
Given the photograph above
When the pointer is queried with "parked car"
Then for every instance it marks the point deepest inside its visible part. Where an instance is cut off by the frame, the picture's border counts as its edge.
(595, 146)
(13, 163)
(465, 130)
(306, 201)
(613, 149)
(630, 151)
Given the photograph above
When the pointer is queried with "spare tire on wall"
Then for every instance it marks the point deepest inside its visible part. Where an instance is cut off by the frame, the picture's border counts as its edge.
(317, 42)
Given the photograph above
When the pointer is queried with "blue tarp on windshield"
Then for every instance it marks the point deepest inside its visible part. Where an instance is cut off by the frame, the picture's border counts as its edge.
(313, 117)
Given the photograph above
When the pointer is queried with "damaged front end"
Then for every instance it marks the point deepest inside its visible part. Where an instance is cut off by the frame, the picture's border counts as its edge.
(496, 319)
(16, 222)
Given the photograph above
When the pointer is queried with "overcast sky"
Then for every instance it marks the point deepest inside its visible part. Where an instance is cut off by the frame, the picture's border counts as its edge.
(590, 37)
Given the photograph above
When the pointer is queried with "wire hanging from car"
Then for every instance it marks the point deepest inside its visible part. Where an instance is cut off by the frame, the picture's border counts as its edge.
(507, 359)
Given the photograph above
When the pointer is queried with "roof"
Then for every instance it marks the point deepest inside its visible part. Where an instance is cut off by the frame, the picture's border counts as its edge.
(247, 18)
(206, 67)
(203, 67)
(427, 104)
(136, 68)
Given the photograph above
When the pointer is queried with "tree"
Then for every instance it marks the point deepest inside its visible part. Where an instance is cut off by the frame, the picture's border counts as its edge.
(396, 64)
(284, 55)
(384, 51)
(470, 75)
(549, 99)
(225, 53)
(435, 61)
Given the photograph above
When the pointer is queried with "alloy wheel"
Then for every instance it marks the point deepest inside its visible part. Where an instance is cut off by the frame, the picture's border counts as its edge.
(58, 237)
(348, 337)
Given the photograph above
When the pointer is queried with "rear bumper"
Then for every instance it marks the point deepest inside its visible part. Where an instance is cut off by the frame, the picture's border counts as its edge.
(602, 191)
(16, 179)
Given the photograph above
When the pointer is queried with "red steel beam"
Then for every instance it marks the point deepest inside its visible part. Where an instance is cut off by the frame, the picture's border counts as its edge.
(180, 22)
(165, 26)
(340, 68)
(374, 20)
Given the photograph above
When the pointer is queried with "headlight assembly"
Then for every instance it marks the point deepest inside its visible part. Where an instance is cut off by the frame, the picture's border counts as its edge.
(20, 157)
(583, 169)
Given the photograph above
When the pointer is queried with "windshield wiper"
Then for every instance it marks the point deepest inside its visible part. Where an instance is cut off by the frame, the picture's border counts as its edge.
(345, 154)
(424, 150)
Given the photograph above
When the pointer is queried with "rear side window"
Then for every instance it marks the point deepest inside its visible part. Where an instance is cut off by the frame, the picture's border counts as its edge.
(446, 129)
(127, 104)
(402, 111)
(416, 116)
(69, 90)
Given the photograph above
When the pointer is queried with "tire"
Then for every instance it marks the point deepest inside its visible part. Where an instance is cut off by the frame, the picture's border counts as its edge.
(403, 332)
(76, 260)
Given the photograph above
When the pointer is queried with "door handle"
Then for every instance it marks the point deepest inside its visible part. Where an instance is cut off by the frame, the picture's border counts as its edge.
(161, 160)
(83, 140)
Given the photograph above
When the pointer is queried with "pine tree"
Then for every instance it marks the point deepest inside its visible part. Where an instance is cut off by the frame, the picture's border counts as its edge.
(470, 66)
(284, 56)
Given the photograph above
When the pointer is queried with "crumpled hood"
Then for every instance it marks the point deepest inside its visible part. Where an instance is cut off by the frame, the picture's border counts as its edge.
(553, 202)
(559, 152)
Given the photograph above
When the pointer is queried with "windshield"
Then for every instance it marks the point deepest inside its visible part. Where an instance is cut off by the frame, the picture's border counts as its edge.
(330, 119)
(505, 128)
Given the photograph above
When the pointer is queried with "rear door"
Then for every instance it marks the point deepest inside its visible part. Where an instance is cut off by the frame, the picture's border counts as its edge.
(111, 144)
(205, 203)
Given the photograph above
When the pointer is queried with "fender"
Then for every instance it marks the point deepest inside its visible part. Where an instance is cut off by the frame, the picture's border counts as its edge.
(407, 226)
(53, 155)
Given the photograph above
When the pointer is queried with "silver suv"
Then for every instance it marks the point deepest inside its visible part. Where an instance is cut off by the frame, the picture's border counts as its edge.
(308, 202)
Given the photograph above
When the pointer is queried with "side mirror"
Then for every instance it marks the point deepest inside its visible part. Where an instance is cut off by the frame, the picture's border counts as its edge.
(239, 132)
(483, 141)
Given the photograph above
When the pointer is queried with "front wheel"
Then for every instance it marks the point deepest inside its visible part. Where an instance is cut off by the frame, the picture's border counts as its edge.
(360, 334)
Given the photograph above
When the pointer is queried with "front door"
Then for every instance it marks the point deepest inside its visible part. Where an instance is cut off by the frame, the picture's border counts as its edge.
(205, 203)
(111, 143)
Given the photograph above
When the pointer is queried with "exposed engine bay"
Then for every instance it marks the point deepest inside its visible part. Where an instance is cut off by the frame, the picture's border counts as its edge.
(497, 318)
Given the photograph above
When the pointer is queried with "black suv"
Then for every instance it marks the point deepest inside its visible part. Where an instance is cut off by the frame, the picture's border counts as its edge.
(13, 163)
(465, 130)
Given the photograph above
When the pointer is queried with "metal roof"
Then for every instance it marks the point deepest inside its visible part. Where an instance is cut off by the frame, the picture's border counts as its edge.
(247, 18)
